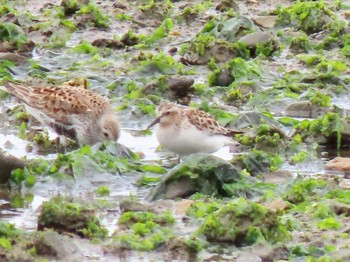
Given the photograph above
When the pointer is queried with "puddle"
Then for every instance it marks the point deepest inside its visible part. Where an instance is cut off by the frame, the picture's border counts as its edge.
(84, 187)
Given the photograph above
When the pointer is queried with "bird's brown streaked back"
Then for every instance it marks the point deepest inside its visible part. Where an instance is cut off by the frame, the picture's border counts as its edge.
(72, 111)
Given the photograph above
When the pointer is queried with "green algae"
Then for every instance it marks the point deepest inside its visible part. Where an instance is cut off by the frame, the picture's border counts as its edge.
(147, 181)
(159, 33)
(8, 235)
(102, 191)
(304, 190)
(243, 222)
(63, 215)
(330, 124)
(97, 18)
(145, 230)
(11, 33)
(310, 17)
(257, 161)
(200, 209)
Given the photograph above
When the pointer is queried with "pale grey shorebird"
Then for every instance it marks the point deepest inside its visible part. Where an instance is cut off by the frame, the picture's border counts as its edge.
(73, 112)
(186, 130)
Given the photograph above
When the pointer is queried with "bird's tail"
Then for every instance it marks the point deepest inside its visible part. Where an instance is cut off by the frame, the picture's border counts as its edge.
(234, 132)
(20, 91)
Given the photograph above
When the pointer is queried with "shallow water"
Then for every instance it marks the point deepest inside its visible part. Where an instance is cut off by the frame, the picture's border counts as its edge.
(83, 187)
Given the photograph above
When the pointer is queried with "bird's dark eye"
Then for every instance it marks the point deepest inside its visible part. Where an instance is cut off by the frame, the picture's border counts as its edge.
(105, 134)
(167, 113)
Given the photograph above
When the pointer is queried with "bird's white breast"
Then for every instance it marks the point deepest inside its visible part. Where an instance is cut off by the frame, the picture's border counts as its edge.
(189, 140)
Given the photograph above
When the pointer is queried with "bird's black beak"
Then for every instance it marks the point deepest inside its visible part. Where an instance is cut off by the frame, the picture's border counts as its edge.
(156, 121)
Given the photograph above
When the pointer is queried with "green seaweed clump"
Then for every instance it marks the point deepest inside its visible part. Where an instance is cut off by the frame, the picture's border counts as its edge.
(257, 161)
(8, 234)
(330, 125)
(304, 190)
(243, 222)
(143, 230)
(241, 71)
(72, 6)
(11, 33)
(300, 44)
(200, 209)
(63, 215)
(309, 16)
(96, 18)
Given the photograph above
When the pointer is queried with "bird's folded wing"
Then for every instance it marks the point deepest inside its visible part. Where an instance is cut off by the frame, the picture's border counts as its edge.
(58, 102)
(205, 122)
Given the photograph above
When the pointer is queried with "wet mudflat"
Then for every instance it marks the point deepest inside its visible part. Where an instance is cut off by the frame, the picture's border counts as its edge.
(277, 71)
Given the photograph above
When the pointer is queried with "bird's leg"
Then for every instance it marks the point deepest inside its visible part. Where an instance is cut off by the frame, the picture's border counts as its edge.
(178, 159)
(60, 146)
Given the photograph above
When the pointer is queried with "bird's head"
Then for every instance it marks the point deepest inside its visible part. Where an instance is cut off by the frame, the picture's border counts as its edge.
(167, 113)
(109, 128)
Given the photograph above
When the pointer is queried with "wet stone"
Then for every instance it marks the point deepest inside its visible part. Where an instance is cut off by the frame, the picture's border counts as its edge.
(265, 21)
(109, 43)
(252, 119)
(15, 58)
(7, 164)
(225, 5)
(224, 78)
(180, 86)
(127, 204)
(247, 257)
(202, 173)
(232, 30)
(232, 223)
(219, 51)
(129, 40)
(339, 164)
(341, 255)
(305, 109)
(263, 251)
(339, 208)
(277, 177)
(70, 7)
(253, 39)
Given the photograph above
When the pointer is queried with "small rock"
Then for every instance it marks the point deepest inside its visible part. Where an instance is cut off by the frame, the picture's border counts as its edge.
(340, 255)
(7, 164)
(224, 78)
(277, 205)
(225, 5)
(109, 43)
(182, 206)
(217, 50)
(15, 58)
(129, 204)
(180, 86)
(339, 208)
(247, 257)
(232, 29)
(265, 21)
(347, 14)
(202, 173)
(26, 48)
(70, 7)
(252, 118)
(339, 164)
(253, 39)
(173, 50)
(52, 244)
(277, 177)
(129, 39)
(305, 109)
(262, 250)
